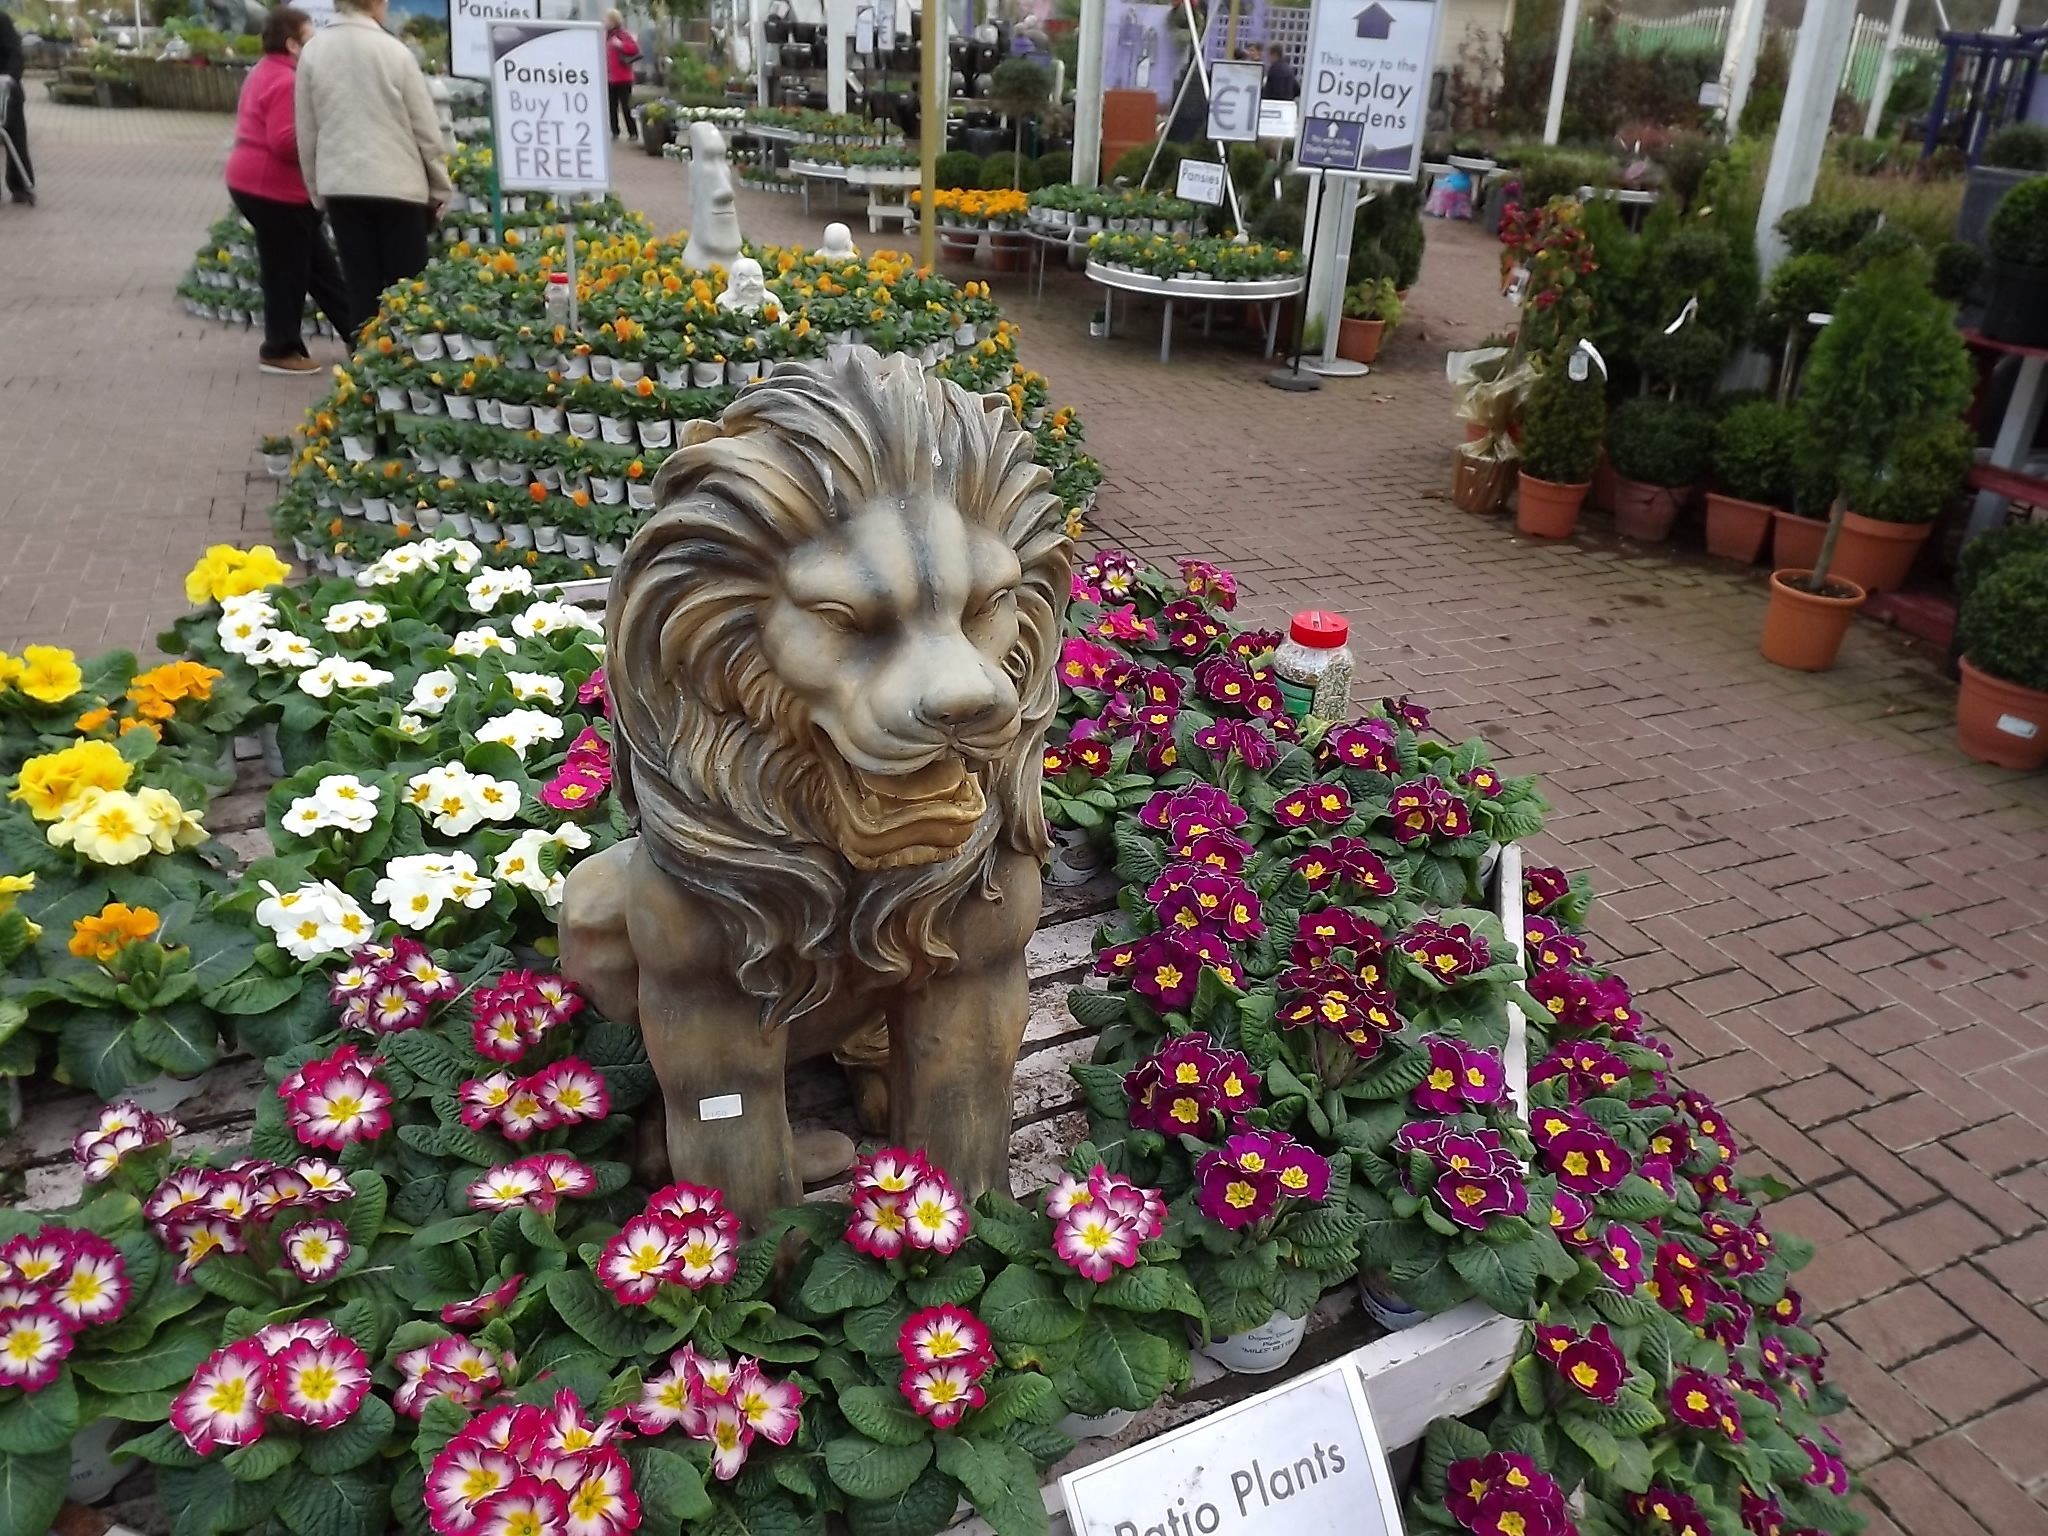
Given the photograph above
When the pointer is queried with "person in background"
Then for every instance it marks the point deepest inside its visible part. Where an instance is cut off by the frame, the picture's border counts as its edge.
(1281, 81)
(370, 150)
(21, 177)
(264, 180)
(620, 50)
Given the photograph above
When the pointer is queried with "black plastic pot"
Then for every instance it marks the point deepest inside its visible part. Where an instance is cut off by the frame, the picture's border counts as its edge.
(2017, 309)
(775, 30)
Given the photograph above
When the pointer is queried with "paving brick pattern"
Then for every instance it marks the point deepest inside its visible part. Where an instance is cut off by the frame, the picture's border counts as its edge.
(1840, 924)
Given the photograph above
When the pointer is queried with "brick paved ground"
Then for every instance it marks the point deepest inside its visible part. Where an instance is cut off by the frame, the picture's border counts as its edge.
(1841, 925)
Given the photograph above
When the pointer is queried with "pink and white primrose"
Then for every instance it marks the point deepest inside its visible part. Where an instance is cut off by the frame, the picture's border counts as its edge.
(226, 1402)
(315, 1250)
(464, 1479)
(94, 1290)
(602, 1502)
(943, 1393)
(645, 1254)
(574, 1091)
(773, 1409)
(879, 1225)
(1096, 1242)
(319, 1385)
(511, 1188)
(935, 1216)
(34, 1341)
(939, 1334)
(730, 1435)
(529, 1507)
(482, 1308)
(708, 1256)
(482, 1097)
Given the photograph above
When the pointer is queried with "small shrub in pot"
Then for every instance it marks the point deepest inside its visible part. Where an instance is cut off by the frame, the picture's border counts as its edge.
(1562, 419)
(2016, 308)
(2002, 711)
(1660, 442)
(1755, 450)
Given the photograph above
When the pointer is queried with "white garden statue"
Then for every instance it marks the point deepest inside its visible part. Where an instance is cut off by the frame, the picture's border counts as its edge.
(838, 244)
(746, 290)
(714, 220)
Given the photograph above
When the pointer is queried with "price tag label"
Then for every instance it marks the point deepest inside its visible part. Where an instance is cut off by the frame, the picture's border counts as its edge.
(548, 86)
(1200, 182)
(1301, 1460)
(1236, 89)
(1279, 119)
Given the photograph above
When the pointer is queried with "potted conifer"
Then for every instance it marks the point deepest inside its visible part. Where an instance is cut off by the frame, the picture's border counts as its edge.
(1892, 518)
(1562, 419)
(1889, 367)
(2016, 309)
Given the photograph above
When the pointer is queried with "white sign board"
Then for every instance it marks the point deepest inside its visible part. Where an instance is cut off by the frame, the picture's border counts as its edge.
(1369, 63)
(1200, 182)
(321, 12)
(1235, 90)
(469, 32)
(548, 90)
(1301, 1460)
(1279, 119)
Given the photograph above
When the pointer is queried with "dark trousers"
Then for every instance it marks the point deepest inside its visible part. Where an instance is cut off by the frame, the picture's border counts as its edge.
(622, 106)
(20, 176)
(292, 250)
(382, 241)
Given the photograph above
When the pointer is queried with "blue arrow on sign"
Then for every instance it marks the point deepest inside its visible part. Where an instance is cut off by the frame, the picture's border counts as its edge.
(1375, 22)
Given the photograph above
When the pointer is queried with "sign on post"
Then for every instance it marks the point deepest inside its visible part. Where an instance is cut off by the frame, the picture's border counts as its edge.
(1369, 64)
(1301, 1460)
(1200, 182)
(1236, 88)
(469, 32)
(1279, 119)
(548, 100)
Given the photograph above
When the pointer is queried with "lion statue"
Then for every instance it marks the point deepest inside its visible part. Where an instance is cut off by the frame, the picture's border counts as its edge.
(831, 662)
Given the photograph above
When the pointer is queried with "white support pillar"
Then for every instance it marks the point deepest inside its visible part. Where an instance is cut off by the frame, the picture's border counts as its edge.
(757, 39)
(1738, 61)
(1824, 32)
(1881, 87)
(1088, 94)
(838, 22)
(2008, 19)
(1561, 71)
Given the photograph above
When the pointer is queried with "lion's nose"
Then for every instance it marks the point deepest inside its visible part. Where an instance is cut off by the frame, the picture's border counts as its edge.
(960, 702)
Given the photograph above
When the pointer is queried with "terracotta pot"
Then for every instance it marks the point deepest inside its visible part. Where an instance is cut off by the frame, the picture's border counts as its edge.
(1359, 340)
(1546, 510)
(1009, 250)
(1803, 631)
(1736, 529)
(1645, 512)
(1603, 484)
(2001, 723)
(1876, 555)
(1795, 541)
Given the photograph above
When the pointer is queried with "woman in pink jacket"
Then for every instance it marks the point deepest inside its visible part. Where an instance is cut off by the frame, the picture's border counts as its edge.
(263, 178)
(620, 50)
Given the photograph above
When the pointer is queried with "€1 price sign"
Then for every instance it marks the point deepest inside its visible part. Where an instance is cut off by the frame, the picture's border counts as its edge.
(1235, 90)
(1300, 1460)
(1369, 64)
(548, 95)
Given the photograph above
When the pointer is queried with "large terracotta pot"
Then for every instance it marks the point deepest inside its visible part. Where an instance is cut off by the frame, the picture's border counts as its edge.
(1803, 631)
(1876, 555)
(2001, 723)
(1546, 510)
(1359, 340)
(1795, 541)
(1645, 512)
(1009, 250)
(1736, 529)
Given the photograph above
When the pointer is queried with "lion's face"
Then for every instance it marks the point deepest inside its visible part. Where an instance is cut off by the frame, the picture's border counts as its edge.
(892, 628)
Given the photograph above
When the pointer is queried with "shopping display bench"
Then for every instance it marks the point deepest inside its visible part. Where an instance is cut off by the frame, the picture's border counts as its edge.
(1269, 291)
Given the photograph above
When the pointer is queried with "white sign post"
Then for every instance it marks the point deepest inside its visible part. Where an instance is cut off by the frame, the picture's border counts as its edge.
(1301, 1460)
(1369, 64)
(469, 32)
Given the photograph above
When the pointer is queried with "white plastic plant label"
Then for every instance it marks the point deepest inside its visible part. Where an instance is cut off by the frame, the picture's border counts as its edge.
(725, 1107)
(2014, 725)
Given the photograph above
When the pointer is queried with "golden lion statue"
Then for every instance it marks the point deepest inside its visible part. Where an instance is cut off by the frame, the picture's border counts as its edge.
(831, 661)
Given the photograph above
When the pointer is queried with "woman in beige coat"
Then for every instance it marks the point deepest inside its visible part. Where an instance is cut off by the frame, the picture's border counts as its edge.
(370, 148)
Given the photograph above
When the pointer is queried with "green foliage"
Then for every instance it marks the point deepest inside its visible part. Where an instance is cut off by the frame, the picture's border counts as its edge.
(1928, 473)
(1957, 265)
(1018, 86)
(1387, 237)
(1007, 170)
(956, 169)
(1055, 169)
(1884, 243)
(1660, 442)
(1989, 552)
(1562, 422)
(2003, 627)
(2017, 147)
(1754, 452)
(2018, 232)
(1827, 230)
(1373, 299)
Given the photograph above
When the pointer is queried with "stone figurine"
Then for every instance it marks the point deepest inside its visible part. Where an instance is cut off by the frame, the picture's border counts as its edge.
(831, 658)
(746, 289)
(838, 244)
(714, 216)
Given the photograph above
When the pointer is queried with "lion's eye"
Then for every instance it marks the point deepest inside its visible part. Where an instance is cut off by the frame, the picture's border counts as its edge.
(994, 604)
(837, 616)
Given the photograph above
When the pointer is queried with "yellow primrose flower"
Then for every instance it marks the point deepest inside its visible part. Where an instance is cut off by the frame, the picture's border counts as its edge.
(49, 674)
(108, 826)
(171, 826)
(48, 784)
(225, 571)
(12, 886)
(10, 669)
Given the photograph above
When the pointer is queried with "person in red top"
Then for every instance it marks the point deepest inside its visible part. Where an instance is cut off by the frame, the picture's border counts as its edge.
(620, 50)
(263, 179)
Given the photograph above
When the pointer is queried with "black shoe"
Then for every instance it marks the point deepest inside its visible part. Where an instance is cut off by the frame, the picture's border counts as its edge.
(26, 198)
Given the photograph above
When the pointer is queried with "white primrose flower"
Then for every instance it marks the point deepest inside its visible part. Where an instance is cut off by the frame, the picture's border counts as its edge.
(460, 553)
(346, 618)
(281, 648)
(475, 642)
(519, 729)
(552, 619)
(243, 634)
(529, 686)
(340, 800)
(520, 864)
(415, 887)
(393, 566)
(314, 920)
(412, 725)
(455, 799)
(434, 691)
(487, 587)
(335, 672)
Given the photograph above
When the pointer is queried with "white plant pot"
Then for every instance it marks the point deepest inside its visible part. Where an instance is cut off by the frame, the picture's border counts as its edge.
(737, 374)
(423, 403)
(94, 1472)
(583, 424)
(452, 467)
(351, 506)
(490, 412)
(485, 470)
(629, 373)
(576, 367)
(518, 417)
(964, 336)
(547, 419)
(519, 535)
(277, 465)
(460, 349)
(324, 562)
(617, 430)
(609, 490)
(460, 525)
(1075, 859)
(429, 346)
(543, 361)
(359, 450)
(601, 368)
(677, 377)
(1385, 1307)
(512, 472)
(390, 397)
(549, 476)
(640, 495)
(428, 518)
(460, 407)
(377, 509)
(547, 538)
(837, 352)
(609, 554)
(656, 434)
(484, 529)
(521, 358)
(1096, 1426)
(515, 204)
(486, 346)
(307, 553)
(1261, 1350)
(706, 375)
(578, 546)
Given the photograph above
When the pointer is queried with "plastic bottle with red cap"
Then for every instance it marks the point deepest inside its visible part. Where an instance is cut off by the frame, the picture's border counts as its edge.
(1314, 665)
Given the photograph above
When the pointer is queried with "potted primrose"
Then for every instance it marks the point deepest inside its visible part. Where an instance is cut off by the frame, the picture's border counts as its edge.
(1889, 367)
(1562, 420)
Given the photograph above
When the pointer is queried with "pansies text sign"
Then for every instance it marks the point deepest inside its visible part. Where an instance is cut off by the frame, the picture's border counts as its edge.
(548, 97)
(1370, 64)
(1301, 1460)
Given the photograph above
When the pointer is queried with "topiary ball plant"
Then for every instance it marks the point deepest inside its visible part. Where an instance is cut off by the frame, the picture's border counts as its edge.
(2018, 233)
(957, 169)
(1755, 451)
(1562, 420)
(1660, 442)
(1988, 553)
(2003, 628)
(2017, 147)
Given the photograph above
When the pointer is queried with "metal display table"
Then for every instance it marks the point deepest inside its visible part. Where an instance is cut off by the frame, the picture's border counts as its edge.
(808, 171)
(1208, 290)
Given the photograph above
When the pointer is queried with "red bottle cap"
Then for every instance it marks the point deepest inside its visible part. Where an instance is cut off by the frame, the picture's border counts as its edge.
(1319, 631)
(559, 277)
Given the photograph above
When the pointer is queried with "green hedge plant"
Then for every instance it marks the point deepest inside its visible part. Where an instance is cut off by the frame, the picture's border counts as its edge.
(2018, 233)
(1562, 420)
(2003, 627)
(1660, 442)
(1755, 447)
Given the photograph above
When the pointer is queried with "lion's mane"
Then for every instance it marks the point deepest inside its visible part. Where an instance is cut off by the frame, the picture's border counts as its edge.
(720, 765)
